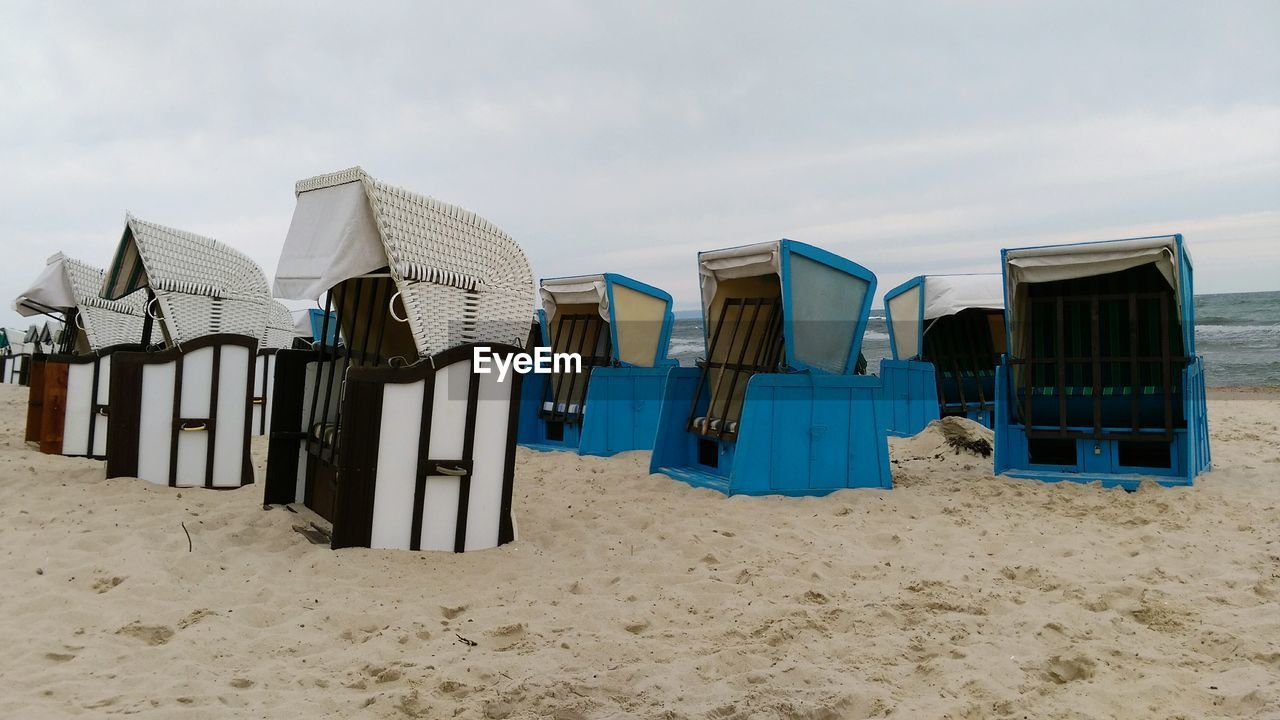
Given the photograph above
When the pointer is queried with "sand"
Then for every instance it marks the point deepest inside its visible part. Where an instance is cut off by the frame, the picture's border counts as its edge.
(955, 595)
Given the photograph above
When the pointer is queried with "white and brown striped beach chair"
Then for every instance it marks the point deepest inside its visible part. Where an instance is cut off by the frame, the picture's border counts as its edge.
(68, 409)
(181, 411)
(383, 428)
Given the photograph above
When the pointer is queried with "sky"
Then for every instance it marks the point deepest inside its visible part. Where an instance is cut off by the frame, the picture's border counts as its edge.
(624, 137)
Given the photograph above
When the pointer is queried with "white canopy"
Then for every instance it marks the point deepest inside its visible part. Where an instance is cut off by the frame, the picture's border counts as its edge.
(51, 292)
(943, 295)
(575, 291)
(332, 238)
(737, 262)
(949, 294)
(302, 326)
(68, 285)
(1025, 266)
(459, 277)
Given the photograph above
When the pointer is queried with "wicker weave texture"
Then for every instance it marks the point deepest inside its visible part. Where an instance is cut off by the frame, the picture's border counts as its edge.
(462, 279)
(202, 286)
(106, 322)
(279, 332)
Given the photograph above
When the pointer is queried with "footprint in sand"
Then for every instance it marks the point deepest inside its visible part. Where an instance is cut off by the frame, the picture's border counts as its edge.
(195, 617)
(452, 612)
(1064, 670)
(106, 584)
(506, 636)
(149, 634)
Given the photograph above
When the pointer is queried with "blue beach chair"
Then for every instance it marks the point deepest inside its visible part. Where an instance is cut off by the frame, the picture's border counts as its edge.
(946, 334)
(776, 405)
(621, 328)
(1101, 381)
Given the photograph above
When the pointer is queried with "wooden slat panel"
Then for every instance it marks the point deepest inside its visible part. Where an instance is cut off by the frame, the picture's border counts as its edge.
(125, 401)
(54, 413)
(35, 398)
(362, 427)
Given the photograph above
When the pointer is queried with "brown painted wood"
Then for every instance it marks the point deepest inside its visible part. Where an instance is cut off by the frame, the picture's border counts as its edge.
(35, 398)
(216, 376)
(286, 425)
(353, 511)
(53, 414)
(323, 493)
(125, 401)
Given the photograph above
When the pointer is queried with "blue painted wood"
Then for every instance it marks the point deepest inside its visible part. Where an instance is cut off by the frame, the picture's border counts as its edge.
(622, 402)
(910, 395)
(805, 431)
(1098, 460)
(621, 409)
(801, 434)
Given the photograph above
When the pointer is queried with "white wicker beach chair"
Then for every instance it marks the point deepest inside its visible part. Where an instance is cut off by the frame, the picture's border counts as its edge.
(68, 404)
(416, 457)
(278, 336)
(280, 331)
(461, 278)
(69, 287)
(182, 415)
(202, 287)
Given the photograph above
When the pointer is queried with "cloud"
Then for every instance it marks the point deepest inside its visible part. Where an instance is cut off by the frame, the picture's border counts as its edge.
(614, 137)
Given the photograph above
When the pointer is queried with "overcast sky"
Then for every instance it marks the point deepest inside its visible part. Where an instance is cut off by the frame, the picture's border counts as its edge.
(624, 137)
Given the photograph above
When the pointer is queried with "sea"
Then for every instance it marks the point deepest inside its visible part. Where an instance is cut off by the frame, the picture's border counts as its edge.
(1238, 334)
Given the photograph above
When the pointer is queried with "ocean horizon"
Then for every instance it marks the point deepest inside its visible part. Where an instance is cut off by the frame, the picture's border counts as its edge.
(1238, 334)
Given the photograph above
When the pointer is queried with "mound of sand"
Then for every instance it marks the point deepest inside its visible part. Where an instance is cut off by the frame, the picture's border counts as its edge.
(950, 436)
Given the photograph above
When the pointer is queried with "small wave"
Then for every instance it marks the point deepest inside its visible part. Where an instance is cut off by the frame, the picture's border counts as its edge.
(874, 335)
(685, 346)
(1217, 320)
(1247, 333)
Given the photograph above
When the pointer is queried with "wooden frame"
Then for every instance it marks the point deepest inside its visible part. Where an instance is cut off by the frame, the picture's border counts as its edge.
(126, 433)
(383, 496)
(56, 406)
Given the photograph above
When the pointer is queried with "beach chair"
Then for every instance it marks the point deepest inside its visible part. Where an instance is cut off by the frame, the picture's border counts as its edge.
(384, 428)
(946, 335)
(775, 406)
(311, 326)
(33, 356)
(181, 409)
(68, 405)
(621, 328)
(279, 335)
(1101, 381)
(11, 359)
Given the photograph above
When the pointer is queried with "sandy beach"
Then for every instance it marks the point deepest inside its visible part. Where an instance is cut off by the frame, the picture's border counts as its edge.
(955, 595)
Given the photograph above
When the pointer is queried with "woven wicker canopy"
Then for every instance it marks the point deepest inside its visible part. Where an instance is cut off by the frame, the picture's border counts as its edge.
(68, 285)
(202, 286)
(461, 278)
(280, 331)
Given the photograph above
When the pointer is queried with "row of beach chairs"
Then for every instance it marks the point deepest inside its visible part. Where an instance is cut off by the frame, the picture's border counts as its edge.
(1080, 357)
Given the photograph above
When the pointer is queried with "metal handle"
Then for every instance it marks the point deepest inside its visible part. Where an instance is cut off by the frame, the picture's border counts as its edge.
(391, 308)
(259, 401)
(102, 412)
(452, 471)
(194, 428)
(79, 321)
(147, 309)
